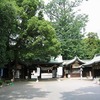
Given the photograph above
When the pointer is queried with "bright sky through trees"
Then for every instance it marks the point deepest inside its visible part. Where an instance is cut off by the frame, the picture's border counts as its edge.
(91, 8)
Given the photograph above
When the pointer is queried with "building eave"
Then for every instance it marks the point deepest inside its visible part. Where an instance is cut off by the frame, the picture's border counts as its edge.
(73, 61)
(94, 61)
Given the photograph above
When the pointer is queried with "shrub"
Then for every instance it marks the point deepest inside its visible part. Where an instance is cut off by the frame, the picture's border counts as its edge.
(1, 82)
(8, 82)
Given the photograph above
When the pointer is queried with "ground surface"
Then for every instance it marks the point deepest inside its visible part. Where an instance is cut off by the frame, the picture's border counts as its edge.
(66, 89)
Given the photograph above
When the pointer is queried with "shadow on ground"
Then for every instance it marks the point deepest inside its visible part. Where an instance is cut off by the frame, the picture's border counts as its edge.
(21, 91)
(87, 93)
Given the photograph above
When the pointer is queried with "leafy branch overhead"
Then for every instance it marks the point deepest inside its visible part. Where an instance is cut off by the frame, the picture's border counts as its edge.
(41, 39)
(23, 34)
(69, 24)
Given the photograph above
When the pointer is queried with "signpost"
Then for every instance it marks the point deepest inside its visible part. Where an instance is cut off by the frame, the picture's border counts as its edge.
(59, 72)
(81, 73)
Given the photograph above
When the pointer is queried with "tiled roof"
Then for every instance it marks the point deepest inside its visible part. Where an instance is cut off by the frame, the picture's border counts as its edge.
(68, 62)
(96, 59)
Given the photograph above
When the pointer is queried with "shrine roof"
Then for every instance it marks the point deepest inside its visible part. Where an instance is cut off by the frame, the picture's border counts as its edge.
(95, 60)
(76, 58)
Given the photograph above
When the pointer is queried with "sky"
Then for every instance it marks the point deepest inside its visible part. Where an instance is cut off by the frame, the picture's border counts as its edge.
(92, 9)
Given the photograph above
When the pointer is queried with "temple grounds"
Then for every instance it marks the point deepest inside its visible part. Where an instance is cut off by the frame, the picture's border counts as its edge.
(66, 89)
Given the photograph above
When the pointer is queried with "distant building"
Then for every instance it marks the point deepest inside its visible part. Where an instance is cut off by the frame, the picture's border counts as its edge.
(72, 67)
(55, 67)
(92, 68)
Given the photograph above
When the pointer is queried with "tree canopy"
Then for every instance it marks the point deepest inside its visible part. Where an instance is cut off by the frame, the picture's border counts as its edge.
(69, 24)
(90, 45)
(7, 28)
(26, 36)
(40, 42)
(23, 34)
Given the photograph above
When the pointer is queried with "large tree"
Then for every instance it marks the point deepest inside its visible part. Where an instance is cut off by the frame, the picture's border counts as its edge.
(39, 41)
(7, 29)
(69, 24)
(90, 45)
(23, 30)
(38, 37)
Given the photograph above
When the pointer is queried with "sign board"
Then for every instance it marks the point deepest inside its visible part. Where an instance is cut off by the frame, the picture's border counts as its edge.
(59, 71)
(38, 71)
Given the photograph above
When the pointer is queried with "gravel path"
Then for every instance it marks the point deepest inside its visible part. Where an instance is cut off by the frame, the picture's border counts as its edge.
(69, 89)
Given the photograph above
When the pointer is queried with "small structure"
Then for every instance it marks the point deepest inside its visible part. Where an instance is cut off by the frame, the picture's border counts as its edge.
(49, 69)
(73, 68)
(92, 68)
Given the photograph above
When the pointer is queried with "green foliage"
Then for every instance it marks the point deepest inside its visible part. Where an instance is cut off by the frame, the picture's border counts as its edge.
(1, 82)
(91, 45)
(26, 37)
(8, 82)
(30, 7)
(40, 41)
(7, 28)
(69, 24)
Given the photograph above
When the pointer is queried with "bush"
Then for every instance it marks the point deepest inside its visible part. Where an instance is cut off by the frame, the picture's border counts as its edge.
(8, 82)
(1, 82)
